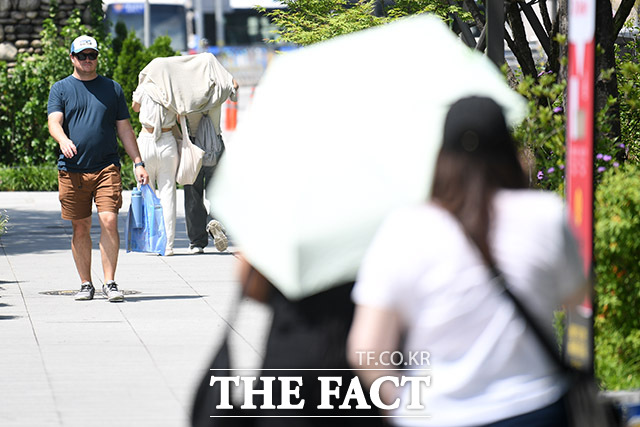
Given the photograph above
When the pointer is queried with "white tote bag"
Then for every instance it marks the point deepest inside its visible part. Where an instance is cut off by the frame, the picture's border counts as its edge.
(190, 158)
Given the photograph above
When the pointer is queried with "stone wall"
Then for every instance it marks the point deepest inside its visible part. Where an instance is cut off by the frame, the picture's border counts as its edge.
(21, 24)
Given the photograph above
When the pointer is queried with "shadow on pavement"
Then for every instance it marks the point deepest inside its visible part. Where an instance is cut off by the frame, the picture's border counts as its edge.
(130, 296)
(38, 232)
(226, 253)
(142, 298)
(45, 231)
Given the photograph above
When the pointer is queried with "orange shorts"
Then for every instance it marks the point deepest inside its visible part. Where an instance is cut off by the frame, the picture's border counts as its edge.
(78, 190)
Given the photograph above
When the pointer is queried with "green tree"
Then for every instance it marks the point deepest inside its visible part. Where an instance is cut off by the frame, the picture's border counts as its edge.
(616, 250)
(305, 22)
(4, 221)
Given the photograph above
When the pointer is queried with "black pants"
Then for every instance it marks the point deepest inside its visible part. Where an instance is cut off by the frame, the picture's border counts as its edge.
(306, 334)
(194, 209)
(553, 415)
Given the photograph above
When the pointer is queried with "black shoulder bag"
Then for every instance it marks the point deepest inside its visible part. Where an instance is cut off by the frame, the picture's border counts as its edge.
(204, 412)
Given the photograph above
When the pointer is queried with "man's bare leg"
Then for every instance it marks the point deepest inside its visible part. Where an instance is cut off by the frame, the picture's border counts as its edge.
(81, 247)
(109, 244)
(109, 247)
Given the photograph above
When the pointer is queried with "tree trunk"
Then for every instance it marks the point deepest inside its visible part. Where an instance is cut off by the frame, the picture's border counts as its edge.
(520, 47)
(561, 26)
(622, 14)
(605, 59)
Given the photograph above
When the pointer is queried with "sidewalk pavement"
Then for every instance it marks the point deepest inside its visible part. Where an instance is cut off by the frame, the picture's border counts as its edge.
(94, 363)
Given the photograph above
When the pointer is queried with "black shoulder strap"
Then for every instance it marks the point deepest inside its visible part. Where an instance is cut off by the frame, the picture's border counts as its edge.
(528, 317)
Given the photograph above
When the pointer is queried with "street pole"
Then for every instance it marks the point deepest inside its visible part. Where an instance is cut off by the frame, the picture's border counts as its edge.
(147, 24)
(199, 21)
(220, 42)
(495, 31)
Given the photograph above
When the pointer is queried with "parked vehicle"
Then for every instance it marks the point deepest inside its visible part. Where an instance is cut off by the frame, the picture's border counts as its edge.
(167, 18)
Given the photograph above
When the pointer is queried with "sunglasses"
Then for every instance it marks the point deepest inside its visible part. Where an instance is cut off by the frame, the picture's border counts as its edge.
(82, 56)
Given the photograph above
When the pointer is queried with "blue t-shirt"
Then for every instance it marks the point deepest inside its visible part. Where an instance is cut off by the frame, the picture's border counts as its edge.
(91, 109)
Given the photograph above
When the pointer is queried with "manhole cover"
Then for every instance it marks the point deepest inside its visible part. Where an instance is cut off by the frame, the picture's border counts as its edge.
(70, 293)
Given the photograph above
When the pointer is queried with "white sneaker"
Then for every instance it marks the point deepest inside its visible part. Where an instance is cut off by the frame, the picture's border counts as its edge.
(110, 290)
(216, 230)
(168, 252)
(86, 292)
(196, 250)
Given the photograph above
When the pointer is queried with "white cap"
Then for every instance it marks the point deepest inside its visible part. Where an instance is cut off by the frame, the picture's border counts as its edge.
(84, 42)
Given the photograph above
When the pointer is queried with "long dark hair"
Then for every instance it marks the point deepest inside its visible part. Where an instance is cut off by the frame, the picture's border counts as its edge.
(467, 176)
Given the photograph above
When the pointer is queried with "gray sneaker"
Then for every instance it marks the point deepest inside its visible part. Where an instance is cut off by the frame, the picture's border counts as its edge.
(216, 230)
(110, 290)
(86, 292)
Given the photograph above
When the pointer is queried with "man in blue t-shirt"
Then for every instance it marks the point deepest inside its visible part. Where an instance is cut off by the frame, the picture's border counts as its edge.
(86, 112)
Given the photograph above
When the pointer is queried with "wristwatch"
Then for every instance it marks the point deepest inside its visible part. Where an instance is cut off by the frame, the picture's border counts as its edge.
(139, 164)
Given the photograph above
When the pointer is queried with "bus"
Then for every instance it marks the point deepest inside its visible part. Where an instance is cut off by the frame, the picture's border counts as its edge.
(242, 24)
(167, 18)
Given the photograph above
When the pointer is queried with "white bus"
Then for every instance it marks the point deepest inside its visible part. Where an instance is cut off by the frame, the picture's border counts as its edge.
(167, 18)
(242, 24)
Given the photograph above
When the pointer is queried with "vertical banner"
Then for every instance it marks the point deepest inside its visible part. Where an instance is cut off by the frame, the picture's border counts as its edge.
(579, 170)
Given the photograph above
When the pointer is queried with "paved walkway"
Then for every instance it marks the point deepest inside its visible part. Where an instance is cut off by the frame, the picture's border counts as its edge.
(94, 363)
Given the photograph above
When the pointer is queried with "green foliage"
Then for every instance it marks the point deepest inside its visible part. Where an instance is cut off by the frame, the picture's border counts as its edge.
(628, 75)
(4, 222)
(559, 323)
(444, 10)
(130, 62)
(121, 35)
(616, 249)
(305, 22)
(542, 133)
(45, 177)
(29, 178)
(126, 172)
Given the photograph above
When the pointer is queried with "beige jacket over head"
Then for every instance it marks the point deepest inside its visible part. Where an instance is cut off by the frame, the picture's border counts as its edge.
(189, 84)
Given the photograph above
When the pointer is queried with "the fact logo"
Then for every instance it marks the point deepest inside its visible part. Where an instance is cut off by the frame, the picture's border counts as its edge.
(333, 393)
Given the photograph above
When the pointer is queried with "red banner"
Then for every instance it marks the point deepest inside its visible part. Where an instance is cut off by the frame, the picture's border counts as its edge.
(579, 171)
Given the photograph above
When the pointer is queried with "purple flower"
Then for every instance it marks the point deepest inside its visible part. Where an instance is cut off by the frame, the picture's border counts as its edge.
(599, 156)
(606, 157)
(616, 164)
(558, 110)
(540, 175)
(562, 167)
(621, 145)
(601, 169)
(551, 170)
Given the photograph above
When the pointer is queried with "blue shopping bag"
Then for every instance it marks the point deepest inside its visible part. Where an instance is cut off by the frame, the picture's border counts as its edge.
(152, 236)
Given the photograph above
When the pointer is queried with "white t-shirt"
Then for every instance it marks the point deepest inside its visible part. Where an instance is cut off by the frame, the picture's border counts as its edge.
(484, 365)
